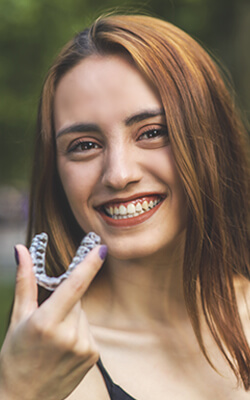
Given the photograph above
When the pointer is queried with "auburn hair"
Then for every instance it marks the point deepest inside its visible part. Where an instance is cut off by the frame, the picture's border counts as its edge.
(209, 144)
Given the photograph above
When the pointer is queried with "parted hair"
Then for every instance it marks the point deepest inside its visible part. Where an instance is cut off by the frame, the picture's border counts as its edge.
(209, 143)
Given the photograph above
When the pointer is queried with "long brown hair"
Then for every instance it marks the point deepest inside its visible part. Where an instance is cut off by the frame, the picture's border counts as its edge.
(209, 144)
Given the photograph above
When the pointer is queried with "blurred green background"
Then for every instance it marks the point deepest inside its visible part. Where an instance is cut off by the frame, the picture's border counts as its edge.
(31, 34)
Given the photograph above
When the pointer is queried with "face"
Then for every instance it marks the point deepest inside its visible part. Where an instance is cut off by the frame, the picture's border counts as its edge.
(115, 160)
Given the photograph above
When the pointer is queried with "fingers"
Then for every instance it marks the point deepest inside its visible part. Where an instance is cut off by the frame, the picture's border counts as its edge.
(73, 288)
(26, 289)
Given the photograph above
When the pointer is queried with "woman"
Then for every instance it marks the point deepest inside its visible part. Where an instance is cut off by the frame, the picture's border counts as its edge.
(139, 141)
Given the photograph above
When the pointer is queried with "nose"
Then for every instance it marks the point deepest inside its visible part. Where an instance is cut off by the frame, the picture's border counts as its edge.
(121, 168)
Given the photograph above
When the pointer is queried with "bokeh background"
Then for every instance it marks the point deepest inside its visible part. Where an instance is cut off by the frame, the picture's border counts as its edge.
(31, 34)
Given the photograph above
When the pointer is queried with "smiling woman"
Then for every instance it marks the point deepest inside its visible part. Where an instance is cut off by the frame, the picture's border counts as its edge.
(139, 141)
(121, 153)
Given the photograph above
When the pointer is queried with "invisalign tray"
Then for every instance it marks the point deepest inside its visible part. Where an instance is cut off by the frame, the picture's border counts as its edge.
(38, 250)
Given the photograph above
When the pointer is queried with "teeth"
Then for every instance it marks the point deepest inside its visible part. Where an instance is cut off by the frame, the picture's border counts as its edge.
(122, 210)
(138, 207)
(151, 204)
(116, 211)
(131, 210)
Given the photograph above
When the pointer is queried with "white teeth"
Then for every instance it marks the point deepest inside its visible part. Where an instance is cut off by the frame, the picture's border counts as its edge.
(151, 204)
(131, 210)
(138, 207)
(122, 210)
(116, 211)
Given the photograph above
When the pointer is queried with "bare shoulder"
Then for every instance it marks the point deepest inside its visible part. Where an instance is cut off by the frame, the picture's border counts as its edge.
(242, 288)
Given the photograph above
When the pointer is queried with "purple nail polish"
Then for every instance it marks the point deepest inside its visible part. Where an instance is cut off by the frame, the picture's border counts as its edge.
(16, 256)
(103, 252)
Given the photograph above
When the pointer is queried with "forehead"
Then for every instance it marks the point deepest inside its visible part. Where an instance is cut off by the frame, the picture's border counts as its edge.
(102, 87)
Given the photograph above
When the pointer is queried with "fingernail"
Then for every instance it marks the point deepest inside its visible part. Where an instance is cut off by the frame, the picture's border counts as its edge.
(16, 256)
(103, 252)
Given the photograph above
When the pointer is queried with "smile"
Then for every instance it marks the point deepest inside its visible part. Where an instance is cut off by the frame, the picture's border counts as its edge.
(133, 209)
(131, 212)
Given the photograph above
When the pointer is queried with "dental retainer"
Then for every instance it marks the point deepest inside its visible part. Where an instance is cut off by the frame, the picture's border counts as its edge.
(38, 251)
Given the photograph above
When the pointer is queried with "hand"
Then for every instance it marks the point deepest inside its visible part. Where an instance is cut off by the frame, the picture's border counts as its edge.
(48, 350)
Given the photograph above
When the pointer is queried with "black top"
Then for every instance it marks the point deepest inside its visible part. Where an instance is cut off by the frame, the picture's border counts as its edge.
(115, 391)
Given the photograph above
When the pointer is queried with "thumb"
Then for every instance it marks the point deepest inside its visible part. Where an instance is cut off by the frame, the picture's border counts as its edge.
(25, 302)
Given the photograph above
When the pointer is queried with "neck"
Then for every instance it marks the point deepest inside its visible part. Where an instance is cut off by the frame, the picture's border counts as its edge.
(141, 292)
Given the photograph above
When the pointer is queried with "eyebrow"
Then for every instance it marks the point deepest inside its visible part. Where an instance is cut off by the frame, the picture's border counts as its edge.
(143, 115)
(78, 128)
(88, 127)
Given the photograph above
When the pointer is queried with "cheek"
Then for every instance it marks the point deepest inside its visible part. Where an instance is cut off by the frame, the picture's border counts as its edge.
(162, 164)
(77, 181)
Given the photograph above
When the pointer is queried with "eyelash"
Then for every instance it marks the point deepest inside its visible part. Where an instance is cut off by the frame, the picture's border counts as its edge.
(81, 142)
(156, 132)
(89, 144)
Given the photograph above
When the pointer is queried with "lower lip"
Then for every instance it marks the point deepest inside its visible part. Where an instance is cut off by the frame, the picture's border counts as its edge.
(126, 222)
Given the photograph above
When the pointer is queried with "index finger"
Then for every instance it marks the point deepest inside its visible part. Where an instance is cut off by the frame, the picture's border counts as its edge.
(73, 288)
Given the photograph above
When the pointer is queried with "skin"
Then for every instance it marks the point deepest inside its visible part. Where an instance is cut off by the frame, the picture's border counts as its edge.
(133, 313)
(47, 350)
(107, 92)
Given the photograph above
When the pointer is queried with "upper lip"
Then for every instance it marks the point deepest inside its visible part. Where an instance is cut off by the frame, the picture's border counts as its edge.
(136, 196)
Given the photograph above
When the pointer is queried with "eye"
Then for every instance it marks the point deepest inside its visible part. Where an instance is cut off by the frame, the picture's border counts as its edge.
(160, 133)
(81, 145)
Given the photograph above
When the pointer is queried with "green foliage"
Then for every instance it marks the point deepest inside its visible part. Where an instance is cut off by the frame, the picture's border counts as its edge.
(32, 32)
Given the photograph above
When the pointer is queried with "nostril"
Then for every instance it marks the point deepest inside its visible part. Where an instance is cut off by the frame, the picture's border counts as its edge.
(119, 179)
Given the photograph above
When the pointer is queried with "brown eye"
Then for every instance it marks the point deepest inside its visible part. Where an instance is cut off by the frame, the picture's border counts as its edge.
(154, 133)
(83, 145)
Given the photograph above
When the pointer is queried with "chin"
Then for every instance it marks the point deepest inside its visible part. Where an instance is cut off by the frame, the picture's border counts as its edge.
(132, 249)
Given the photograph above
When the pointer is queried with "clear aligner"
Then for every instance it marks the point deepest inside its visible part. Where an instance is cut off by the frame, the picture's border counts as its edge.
(38, 251)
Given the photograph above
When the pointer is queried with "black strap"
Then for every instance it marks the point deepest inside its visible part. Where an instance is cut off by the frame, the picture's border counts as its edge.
(115, 391)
